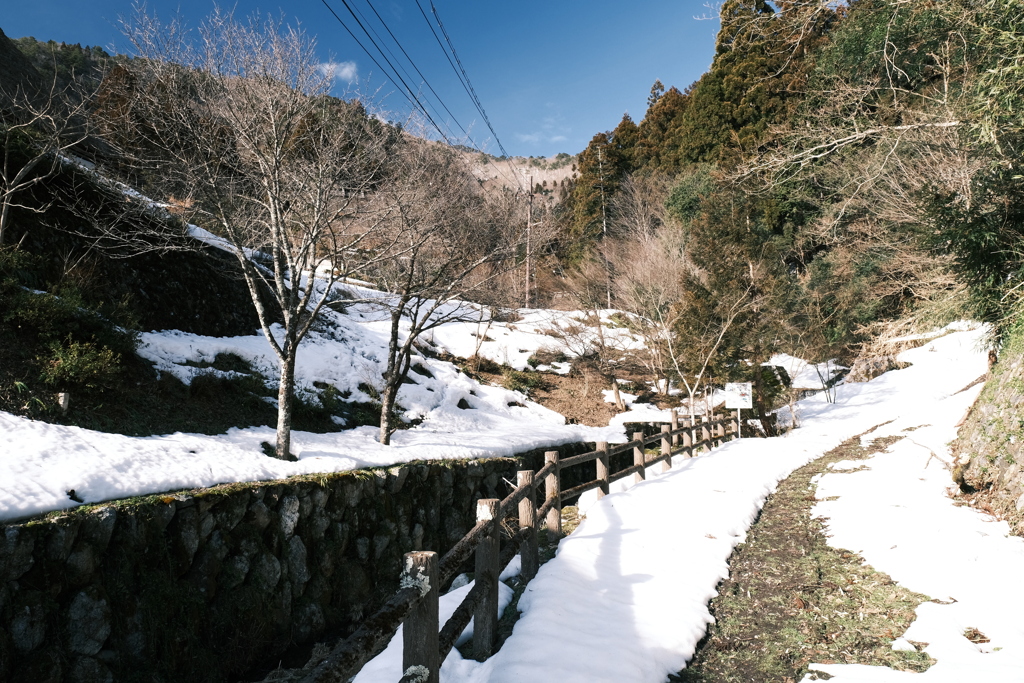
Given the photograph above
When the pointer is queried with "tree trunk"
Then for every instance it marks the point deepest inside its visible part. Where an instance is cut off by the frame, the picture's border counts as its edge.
(766, 419)
(616, 396)
(284, 405)
(3, 220)
(387, 407)
(392, 380)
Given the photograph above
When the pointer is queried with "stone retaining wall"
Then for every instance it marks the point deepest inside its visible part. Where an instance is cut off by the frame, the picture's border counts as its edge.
(206, 585)
(990, 448)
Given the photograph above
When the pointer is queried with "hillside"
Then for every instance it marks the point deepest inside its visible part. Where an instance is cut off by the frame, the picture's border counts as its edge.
(989, 447)
(207, 369)
(259, 344)
(514, 173)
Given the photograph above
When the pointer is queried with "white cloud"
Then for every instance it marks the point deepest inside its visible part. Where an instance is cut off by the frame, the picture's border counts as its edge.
(530, 137)
(343, 71)
(538, 137)
(550, 130)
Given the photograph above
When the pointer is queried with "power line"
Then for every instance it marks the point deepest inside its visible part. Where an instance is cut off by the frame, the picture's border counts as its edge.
(408, 92)
(413, 64)
(419, 104)
(465, 77)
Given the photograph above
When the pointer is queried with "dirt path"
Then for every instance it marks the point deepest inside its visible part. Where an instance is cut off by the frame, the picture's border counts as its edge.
(790, 599)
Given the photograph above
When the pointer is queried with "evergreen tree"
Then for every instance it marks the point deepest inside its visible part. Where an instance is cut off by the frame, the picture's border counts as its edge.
(624, 141)
(657, 90)
(739, 285)
(757, 78)
(602, 166)
(657, 135)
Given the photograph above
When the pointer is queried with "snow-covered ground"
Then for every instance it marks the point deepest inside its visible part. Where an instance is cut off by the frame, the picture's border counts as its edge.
(806, 376)
(40, 462)
(626, 597)
(512, 343)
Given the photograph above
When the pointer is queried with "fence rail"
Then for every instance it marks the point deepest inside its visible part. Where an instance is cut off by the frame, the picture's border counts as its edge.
(415, 605)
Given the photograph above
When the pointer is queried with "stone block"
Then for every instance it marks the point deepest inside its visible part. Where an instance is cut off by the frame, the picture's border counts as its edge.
(16, 546)
(88, 622)
(288, 514)
(28, 625)
(265, 572)
(296, 561)
(89, 670)
(61, 539)
(258, 515)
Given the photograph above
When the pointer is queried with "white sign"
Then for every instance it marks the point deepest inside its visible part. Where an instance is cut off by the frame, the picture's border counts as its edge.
(738, 396)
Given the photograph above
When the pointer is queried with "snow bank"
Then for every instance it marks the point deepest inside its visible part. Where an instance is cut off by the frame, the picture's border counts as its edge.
(803, 375)
(896, 513)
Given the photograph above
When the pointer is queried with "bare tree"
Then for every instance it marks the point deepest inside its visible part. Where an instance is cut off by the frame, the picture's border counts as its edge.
(239, 121)
(449, 247)
(649, 259)
(649, 285)
(590, 289)
(36, 130)
(638, 208)
(699, 328)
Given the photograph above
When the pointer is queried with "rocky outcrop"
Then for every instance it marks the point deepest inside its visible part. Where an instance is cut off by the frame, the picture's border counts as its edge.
(990, 450)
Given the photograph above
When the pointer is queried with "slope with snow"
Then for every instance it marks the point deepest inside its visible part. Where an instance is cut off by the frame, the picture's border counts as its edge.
(40, 462)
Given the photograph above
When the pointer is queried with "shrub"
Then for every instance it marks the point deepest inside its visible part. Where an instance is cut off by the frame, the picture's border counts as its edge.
(514, 380)
(482, 364)
(54, 319)
(546, 357)
(17, 268)
(81, 365)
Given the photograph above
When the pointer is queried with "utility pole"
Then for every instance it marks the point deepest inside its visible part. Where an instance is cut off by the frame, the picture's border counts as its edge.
(604, 214)
(604, 231)
(529, 224)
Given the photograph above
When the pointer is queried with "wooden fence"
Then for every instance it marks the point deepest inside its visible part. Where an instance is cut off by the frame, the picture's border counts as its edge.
(415, 604)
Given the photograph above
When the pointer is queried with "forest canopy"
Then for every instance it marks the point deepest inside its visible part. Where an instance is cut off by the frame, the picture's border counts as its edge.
(842, 170)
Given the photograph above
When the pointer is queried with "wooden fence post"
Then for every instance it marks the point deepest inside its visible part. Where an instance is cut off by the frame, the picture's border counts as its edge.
(420, 629)
(694, 435)
(736, 424)
(553, 491)
(688, 437)
(528, 553)
(666, 448)
(675, 427)
(602, 468)
(639, 459)
(705, 434)
(485, 617)
(719, 432)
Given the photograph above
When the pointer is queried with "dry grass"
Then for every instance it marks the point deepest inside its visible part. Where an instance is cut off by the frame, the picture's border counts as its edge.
(791, 600)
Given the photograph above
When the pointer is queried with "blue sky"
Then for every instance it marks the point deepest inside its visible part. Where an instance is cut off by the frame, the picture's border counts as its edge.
(549, 74)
